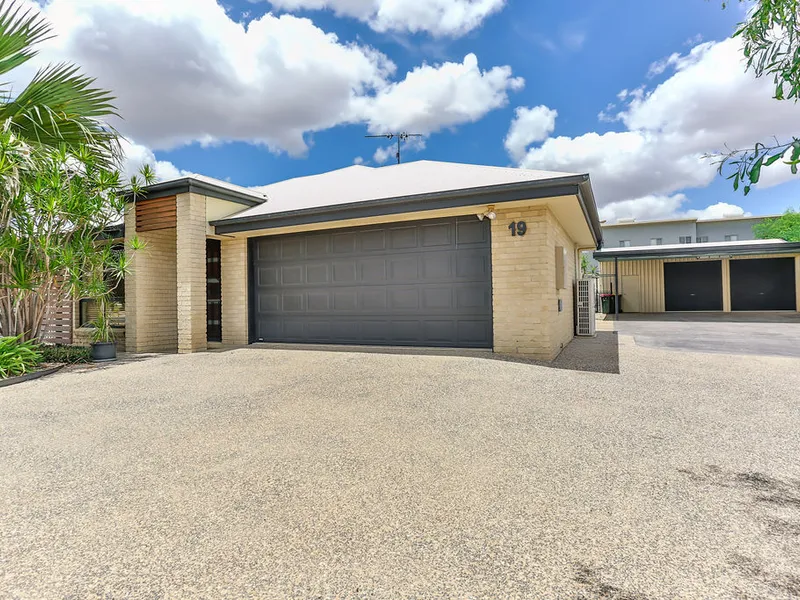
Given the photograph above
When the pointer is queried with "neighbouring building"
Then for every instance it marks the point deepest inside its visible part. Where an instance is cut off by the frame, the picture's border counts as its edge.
(419, 254)
(739, 275)
(633, 233)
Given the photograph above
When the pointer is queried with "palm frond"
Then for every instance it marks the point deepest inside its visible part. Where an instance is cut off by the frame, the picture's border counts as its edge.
(61, 106)
(19, 32)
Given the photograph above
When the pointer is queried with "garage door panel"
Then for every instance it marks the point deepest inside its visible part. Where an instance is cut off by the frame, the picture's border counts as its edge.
(693, 286)
(420, 283)
(440, 234)
(472, 232)
(763, 284)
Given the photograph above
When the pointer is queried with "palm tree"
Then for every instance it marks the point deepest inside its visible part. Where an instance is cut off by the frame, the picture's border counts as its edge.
(59, 106)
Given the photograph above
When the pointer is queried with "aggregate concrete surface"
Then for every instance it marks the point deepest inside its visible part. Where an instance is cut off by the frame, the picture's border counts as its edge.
(265, 473)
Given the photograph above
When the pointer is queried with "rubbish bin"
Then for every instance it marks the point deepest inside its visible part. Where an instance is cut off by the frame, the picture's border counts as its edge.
(608, 303)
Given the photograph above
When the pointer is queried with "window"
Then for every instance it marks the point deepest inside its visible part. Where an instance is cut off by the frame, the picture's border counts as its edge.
(624, 243)
(656, 241)
(731, 238)
(88, 310)
(685, 239)
(702, 239)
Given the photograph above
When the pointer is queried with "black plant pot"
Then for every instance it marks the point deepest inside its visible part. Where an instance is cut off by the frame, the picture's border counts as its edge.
(104, 351)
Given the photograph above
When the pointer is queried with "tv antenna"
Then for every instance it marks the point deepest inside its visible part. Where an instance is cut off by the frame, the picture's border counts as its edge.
(401, 137)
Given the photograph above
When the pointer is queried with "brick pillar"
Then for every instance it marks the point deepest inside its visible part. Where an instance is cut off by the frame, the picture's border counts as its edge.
(191, 262)
(234, 292)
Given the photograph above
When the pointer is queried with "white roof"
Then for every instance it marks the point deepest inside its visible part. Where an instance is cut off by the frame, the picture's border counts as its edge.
(252, 192)
(736, 244)
(360, 183)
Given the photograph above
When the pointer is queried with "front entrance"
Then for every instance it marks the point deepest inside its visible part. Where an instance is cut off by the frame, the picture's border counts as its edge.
(693, 286)
(763, 284)
(213, 291)
(423, 283)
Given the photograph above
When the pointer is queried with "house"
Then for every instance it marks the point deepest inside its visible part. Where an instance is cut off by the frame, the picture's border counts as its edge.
(738, 275)
(627, 233)
(418, 254)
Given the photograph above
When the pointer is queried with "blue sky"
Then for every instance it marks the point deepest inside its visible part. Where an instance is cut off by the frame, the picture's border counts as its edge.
(575, 57)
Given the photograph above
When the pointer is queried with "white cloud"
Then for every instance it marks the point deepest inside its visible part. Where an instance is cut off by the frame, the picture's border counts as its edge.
(452, 18)
(707, 103)
(184, 72)
(136, 156)
(529, 125)
(358, 160)
(386, 153)
(666, 207)
(433, 97)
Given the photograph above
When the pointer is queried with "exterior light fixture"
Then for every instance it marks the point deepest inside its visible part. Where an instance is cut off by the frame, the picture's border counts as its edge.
(489, 214)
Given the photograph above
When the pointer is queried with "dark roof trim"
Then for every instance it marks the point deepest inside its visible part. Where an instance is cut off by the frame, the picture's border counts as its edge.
(573, 185)
(710, 250)
(589, 207)
(191, 185)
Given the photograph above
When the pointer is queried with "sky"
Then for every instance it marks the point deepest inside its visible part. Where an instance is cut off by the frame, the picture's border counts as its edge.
(256, 91)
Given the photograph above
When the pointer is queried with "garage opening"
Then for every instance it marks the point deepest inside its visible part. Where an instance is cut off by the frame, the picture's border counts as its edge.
(422, 283)
(693, 286)
(763, 284)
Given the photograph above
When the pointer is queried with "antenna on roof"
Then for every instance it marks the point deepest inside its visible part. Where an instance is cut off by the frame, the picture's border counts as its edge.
(401, 137)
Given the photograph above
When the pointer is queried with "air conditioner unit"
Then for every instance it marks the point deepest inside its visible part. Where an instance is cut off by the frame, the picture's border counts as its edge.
(586, 325)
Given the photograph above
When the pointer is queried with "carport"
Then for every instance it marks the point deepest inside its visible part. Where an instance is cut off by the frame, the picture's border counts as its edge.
(750, 275)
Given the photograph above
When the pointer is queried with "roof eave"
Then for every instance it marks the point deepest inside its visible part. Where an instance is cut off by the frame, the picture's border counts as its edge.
(561, 186)
(655, 253)
(191, 185)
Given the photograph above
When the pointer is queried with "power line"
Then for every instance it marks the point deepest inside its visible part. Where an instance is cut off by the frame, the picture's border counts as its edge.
(401, 137)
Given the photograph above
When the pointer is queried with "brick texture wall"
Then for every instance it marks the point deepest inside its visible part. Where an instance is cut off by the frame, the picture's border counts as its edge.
(151, 316)
(191, 272)
(525, 299)
(234, 292)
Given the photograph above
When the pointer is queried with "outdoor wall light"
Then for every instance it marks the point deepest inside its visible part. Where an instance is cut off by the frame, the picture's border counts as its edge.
(489, 214)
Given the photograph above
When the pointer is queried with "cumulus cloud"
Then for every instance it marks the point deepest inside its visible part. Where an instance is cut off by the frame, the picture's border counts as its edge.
(451, 18)
(666, 207)
(529, 125)
(387, 153)
(707, 103)
(433, 97)
(136, 156)
(184, 72)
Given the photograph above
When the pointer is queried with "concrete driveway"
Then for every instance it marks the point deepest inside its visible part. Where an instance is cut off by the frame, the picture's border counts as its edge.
(263, 473)
(765, 334)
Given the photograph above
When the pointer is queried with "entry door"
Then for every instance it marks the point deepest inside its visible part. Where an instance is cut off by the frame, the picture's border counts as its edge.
(693, 286)
(423, 283)
(213, 291)
(631, 295)
(763, 284)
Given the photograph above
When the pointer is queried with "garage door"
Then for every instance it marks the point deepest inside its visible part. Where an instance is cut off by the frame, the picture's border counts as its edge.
(425, 283)
(763, 284)
(693, 285)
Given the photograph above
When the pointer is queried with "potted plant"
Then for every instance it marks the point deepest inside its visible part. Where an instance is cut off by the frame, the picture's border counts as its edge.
(104, 348)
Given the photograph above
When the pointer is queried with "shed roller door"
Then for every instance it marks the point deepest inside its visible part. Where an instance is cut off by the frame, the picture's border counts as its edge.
(693, 286)
(763, 284)
(424, 283)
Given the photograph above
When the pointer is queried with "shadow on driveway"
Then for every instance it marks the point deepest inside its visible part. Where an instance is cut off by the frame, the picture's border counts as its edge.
(595, 355)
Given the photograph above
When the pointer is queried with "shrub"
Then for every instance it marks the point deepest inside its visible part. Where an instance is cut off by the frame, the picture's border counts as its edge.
(18, 357)
(65, 354)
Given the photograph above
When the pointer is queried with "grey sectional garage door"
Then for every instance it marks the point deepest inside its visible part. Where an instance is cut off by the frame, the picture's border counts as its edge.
(692, 286)
(424, 283)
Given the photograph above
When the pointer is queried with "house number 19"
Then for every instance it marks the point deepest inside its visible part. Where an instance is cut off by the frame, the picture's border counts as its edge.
(518, 228)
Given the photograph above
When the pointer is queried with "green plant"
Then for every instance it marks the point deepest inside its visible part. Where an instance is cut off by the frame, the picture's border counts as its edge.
(18, 357)
(59, 106)
(102, 332)
(770, 38)
(65, 354)
(786, 227)
(53, 244)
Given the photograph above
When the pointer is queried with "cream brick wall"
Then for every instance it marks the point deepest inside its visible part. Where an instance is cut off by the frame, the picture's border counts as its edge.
(191, 272)
(525, 299)
(151, 315)
(234, 292)
(562, 327)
